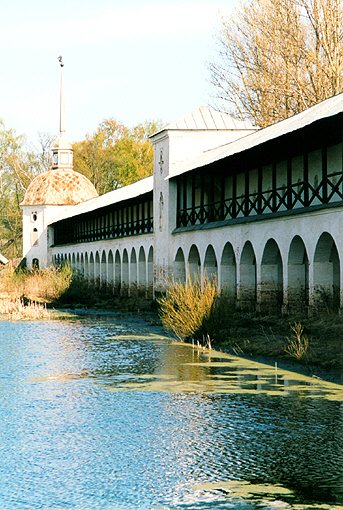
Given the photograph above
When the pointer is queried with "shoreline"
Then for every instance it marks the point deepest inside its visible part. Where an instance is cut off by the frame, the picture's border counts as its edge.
(250, 336)
(152, 319)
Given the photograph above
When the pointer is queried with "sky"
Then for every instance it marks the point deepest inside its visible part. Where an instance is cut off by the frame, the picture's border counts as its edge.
(132, 60)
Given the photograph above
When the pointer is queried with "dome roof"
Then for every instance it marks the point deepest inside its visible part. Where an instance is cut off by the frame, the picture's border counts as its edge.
(59, 187)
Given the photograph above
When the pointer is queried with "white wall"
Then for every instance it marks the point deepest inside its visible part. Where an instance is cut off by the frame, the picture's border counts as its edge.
(44, 214)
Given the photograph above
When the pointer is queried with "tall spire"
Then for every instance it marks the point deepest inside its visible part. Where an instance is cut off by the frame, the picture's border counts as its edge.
(62, 106)
(62, 152)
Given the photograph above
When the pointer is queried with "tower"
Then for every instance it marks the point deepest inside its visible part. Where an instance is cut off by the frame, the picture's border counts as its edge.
(50, 194)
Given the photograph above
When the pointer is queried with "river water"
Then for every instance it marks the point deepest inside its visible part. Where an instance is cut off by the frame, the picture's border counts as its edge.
(101, 412)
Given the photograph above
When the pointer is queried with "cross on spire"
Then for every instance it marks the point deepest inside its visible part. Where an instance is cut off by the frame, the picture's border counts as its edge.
(161, 162)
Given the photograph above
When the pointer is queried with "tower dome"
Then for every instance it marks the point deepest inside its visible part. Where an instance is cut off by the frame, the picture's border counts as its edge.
(59, 187)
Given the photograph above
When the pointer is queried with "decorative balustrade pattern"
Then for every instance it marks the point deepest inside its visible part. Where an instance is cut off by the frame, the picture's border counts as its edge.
(282, 199)
(111, 223)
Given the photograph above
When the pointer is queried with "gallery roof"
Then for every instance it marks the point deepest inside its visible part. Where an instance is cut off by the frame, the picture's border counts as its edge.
(119, 195)
(327, 108)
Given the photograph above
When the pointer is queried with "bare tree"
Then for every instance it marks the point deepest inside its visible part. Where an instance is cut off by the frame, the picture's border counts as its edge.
(278, 57)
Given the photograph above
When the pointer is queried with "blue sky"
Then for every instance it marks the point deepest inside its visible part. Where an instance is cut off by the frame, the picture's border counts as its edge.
(134, 60)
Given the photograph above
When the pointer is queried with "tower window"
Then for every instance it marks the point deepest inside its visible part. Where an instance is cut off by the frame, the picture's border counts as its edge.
(34, 216)
(34, 237)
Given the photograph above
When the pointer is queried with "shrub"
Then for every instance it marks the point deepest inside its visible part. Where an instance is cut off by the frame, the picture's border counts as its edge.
(186, 307)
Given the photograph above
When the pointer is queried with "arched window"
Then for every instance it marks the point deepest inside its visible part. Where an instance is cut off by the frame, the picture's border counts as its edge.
(34, 237)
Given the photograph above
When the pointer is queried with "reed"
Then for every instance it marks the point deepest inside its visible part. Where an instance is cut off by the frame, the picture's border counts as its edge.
(16, 309)
(45, 285)
(297, 345)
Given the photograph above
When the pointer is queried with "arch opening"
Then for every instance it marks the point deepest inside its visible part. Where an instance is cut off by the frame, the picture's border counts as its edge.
(179, 267)
(194, 264)
(228, 273)
(97, 269)
(86, 267)
(125, 273)
(247, 287)
(117, 271)
(142, 280)
(91, 268)
(298, 283)
(110, 268)
(103, 269)
(210, 264)
(150, 289)
(82, 266)
(326, 274)
(133, 273)
(271, 285)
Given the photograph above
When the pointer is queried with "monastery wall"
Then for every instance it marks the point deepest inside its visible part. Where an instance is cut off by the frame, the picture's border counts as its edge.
(261, 215)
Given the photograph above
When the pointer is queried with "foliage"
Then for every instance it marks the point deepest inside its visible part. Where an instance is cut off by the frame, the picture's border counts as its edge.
(115, 155)
(186, 307)
(18, 166)
(297, 345)
(279, 57)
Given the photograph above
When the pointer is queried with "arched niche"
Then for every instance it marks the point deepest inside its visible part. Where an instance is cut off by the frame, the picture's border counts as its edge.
(326, 274)
(125, 272)
(110, 268)
(228, 272)
(210, 264)
(150, 291)
(179, 266)
(142, 274)
(117, 271)
(194, 264)
(133, 271)
(247, 287)
(271, 285)
(103, 269)
(298, 279)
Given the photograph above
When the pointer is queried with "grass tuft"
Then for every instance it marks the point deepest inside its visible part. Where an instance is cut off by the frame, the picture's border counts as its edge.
(186, 308)
(298, 344)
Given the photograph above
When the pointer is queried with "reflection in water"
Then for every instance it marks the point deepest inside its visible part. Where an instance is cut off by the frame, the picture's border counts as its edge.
(102, 413)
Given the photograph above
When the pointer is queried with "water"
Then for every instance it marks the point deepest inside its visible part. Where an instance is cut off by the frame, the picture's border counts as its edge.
(103, 413)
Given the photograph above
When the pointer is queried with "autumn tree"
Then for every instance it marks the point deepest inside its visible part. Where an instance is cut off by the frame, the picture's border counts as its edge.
(279, 57)
(115, 155)
(18, 166)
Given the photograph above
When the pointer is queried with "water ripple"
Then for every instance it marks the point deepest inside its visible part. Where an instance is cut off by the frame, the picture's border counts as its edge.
(100, 413)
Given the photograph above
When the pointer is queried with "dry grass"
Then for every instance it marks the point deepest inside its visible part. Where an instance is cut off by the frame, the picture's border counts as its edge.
(45, 285)
(186, 308)
(24, 294)
(16, 309)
